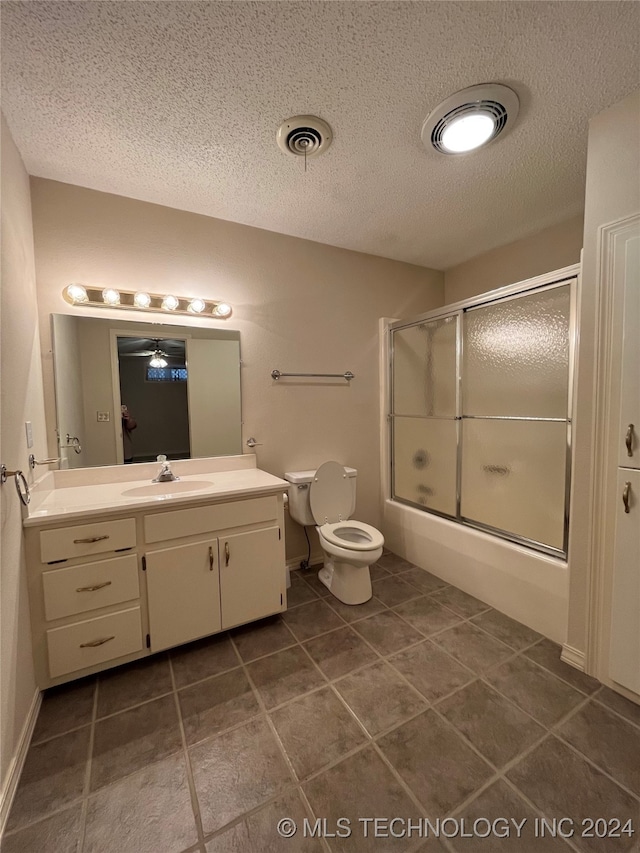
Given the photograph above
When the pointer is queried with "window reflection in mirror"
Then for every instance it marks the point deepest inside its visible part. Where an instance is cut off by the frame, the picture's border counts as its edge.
(189, 407)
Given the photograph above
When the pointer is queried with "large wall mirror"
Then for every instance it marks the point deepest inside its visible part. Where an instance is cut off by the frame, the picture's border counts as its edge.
(127, 391)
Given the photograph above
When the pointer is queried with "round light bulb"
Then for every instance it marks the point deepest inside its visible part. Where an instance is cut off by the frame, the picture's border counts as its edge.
(142, 300)
(197, 306)
(468, 132)
(158, 361)
(222, 309)
(111, 296)
(77, 293)
(170, 303)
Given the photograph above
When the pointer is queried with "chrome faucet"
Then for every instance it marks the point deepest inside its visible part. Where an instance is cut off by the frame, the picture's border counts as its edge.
(165, 474)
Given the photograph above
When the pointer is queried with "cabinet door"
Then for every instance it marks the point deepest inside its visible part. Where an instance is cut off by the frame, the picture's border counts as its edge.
(629, 455)
(252, 576)
(624, 662)
(184, 593)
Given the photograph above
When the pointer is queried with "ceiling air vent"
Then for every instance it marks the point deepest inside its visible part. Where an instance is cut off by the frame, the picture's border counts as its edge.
(304, 136)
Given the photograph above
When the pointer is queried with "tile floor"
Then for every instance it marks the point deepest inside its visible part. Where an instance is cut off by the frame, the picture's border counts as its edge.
(423, 702)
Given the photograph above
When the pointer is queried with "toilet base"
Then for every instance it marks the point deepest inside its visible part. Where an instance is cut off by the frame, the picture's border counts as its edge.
(350, 584)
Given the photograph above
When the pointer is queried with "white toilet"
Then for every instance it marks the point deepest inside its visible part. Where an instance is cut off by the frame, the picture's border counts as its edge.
(326, 498)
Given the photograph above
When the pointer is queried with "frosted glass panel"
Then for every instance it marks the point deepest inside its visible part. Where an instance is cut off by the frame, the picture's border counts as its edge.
(516, 357)
(513, 477)
(424, 455)
(424, 369)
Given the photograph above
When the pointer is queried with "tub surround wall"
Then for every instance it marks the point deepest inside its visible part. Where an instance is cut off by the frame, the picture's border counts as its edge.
(551, 249)
(300, 307)
(21, 399)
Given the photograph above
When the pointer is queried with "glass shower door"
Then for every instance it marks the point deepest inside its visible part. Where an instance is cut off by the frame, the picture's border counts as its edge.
(515, 405)
(424, 415)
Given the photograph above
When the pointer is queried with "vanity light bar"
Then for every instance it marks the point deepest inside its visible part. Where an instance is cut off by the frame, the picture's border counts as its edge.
(138, 300)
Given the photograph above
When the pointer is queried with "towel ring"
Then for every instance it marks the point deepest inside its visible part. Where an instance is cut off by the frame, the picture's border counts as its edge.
(22, 488)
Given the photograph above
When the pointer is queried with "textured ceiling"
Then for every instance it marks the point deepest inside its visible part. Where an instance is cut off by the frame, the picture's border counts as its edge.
(179, 102)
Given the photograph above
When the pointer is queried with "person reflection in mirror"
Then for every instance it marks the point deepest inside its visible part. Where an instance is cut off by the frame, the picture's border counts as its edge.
(128, 426)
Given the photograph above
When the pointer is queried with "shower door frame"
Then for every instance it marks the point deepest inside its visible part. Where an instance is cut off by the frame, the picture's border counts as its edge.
(549, 281)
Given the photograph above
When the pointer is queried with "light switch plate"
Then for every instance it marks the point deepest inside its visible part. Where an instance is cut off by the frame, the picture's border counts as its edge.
(29, 431)
(103, 417)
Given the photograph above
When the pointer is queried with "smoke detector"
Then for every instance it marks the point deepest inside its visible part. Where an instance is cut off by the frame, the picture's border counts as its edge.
(304, 136)
(470, 119)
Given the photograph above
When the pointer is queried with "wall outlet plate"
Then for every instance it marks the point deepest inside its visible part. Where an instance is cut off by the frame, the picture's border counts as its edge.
(29, 431)
(103, 417)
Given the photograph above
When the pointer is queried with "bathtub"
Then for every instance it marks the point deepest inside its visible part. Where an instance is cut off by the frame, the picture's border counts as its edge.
(526, 585)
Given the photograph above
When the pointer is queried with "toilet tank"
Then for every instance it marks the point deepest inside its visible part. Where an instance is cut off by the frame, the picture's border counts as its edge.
(299, 486)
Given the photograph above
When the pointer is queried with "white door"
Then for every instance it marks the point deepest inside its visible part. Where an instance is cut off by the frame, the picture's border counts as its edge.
(624, 660)
(629, 453)
(184, 593)
(252, 576)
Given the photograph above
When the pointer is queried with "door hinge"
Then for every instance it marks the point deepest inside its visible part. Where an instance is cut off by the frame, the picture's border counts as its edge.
(279, 534)
(148, 641)
(144, 564)
(281, 601)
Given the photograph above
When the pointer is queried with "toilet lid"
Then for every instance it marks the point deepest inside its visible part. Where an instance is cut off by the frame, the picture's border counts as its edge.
(330, 494)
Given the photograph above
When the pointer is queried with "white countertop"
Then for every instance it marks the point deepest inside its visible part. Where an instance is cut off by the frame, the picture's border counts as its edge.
(87, 500)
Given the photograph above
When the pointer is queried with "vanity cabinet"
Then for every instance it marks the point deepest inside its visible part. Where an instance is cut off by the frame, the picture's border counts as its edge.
(117, 589)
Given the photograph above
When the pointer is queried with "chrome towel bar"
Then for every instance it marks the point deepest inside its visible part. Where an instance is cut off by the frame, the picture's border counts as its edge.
(348, 375)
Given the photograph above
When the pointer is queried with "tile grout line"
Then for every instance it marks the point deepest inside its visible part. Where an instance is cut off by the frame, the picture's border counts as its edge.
(295, 782)
(193, 794)
(87, 781)
(612, 710)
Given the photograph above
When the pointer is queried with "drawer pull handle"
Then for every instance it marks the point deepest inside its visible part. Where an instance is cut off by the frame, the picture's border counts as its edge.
(210, 558)
(95, 643)
(227, 555)
(94, 587)
(626, 492)
(628, 440)
(90, 539)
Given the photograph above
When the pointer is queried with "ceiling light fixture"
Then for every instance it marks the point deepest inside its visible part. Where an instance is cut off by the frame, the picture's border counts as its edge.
(470, 119)
(139, 300)
(158, 360)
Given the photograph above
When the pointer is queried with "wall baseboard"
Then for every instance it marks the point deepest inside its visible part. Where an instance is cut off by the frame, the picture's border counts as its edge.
(17, 762)
(573, 657)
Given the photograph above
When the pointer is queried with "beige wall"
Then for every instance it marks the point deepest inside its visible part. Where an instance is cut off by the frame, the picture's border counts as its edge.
(551, 249)
(300, 307)
(21, 400)
(612, 193)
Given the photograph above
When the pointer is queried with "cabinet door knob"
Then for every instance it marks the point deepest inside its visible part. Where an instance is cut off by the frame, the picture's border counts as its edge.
(625, 495)
(210, 558)
(226, 553)
(628, 440)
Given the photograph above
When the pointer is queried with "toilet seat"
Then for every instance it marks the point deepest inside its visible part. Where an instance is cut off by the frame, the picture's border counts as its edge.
(330, 494)
(352, 535)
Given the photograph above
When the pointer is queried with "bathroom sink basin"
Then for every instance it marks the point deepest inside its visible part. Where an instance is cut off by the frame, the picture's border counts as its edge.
(170, 488)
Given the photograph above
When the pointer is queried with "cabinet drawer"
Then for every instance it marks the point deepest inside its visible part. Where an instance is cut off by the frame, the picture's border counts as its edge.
(87, 539)
(89, 586)
(93, 641)
(204, 519)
